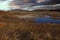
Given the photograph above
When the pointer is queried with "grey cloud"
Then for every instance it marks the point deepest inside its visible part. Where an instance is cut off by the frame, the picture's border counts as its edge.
(22, 2)
(2, 0)
(32, 5)
(39, 7)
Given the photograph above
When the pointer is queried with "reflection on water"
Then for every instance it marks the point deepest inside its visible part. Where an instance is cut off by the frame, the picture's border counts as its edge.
(46, 19)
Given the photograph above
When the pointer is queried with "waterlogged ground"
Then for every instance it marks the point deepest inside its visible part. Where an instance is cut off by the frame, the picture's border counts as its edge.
(41, 25)
(47, 19)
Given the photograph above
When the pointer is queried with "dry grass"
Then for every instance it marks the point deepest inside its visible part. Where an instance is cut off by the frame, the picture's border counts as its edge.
(13, 28)
(30, 31)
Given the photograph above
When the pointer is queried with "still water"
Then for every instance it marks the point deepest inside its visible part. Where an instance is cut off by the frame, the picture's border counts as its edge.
(46, 19)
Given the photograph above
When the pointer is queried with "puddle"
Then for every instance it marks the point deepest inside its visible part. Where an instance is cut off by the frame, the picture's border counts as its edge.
(46, 19)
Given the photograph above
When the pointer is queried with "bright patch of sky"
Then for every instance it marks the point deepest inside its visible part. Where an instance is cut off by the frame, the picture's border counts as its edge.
(4, 5)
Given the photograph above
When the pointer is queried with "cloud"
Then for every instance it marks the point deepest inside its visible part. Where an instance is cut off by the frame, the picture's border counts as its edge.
(39, 1)
(4, 5)
(2, 0)
(25, 4)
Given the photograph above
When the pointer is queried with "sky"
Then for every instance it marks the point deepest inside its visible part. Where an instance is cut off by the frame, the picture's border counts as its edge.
(4, 4)
(7, 4)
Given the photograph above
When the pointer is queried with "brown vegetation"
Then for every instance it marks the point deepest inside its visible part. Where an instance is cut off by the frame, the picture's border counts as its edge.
(30, 31)
(13, 28)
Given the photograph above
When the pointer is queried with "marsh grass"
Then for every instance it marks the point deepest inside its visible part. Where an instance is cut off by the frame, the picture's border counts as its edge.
(13, 28)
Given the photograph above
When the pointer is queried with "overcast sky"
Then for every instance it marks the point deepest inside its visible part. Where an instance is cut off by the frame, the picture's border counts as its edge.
(4, 4)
